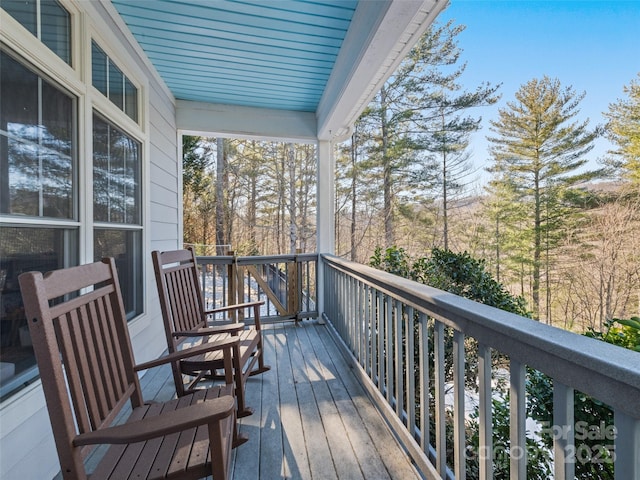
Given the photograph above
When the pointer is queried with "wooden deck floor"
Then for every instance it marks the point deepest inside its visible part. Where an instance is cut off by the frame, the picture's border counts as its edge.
(312, 418)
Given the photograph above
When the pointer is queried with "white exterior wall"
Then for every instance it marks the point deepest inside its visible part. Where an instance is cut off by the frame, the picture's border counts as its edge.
(27, 450)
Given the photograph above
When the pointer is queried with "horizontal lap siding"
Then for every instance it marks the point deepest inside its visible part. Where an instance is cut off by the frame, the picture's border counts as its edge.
(164, 176)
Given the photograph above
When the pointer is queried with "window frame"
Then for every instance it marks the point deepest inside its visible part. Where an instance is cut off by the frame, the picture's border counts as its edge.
(29, 48)
(109, 66)
(118, 226)
(99, 104)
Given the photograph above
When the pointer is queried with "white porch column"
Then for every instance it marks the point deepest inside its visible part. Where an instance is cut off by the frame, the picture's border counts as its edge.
(325, 222)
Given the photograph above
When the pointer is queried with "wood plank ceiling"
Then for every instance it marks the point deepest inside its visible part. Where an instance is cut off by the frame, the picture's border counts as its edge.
(274, 54)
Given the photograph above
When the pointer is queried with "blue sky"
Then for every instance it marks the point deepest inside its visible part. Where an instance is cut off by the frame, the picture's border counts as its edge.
(593, 46)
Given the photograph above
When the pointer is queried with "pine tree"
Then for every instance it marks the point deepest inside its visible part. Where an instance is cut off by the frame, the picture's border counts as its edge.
(420, 129)
(446, 136)
(506, 216)
(539, 146)
(623, 130)
(198, 199)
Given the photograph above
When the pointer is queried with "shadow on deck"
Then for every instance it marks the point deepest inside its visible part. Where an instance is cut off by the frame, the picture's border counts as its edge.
(312, 418)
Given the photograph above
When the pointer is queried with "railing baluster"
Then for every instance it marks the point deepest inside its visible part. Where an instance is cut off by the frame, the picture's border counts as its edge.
(389, 348)
(333, 300)
(346, 298)
(352, 314)
(399, 343)
(423, 337)
(458, 405)
(563, 432)
(382, 333)
(410, 373)
(353, 343)
(338, 304)
(485, 416)
(517, 421)
(357, 323)
(441, 439)
(362, 326)
(627, 446)
(344, 305)
(373, 297)
(367, 331)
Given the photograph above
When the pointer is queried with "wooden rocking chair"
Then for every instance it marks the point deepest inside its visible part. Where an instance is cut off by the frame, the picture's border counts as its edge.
(184, 314)
(80, 336)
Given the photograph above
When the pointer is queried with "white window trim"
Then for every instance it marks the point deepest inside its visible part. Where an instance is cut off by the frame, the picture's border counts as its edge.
(139, 131)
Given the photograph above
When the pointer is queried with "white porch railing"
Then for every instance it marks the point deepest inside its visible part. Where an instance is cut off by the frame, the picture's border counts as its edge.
(388, 324)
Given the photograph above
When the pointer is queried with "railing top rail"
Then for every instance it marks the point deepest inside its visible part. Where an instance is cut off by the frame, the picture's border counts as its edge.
(257, 259)
(607, 372)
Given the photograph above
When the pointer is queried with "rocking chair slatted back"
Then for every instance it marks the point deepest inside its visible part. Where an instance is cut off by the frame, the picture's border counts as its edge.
(185, 299)
(95, 360)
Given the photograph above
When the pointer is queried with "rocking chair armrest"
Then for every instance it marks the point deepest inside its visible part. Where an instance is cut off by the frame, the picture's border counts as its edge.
(225, 344)
(169, 422)
(203, 332)
(239, 306)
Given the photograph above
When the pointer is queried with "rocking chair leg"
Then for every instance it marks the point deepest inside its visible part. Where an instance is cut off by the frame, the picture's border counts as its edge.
(261, 369)
(238, 438)
(261, 366)
(244, 411)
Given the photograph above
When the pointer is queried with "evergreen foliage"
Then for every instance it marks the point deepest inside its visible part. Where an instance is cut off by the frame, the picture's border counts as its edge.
(457, 273)
(416, 128)
(623, 129)
(538, 148)
(194, 165)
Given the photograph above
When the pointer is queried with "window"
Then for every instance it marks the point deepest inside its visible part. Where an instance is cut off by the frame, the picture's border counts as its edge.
(47, 20)
(37, 145)
(116, 207)
(112, 83)
(116, 175)
(125, 246)
(38, 185)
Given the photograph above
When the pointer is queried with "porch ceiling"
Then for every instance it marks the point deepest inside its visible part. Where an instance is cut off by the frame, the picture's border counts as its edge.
(319, 61)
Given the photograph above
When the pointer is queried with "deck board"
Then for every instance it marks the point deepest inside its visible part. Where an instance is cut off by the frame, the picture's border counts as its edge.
(295, 461)
(329, 427)
(312, 418)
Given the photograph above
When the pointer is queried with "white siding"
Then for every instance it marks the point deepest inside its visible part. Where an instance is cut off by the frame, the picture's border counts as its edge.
(27, 450)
